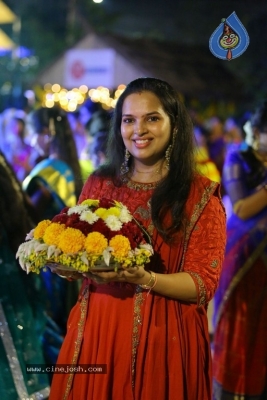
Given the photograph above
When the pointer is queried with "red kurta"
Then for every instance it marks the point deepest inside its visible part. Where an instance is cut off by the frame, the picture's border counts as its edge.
(154, 347)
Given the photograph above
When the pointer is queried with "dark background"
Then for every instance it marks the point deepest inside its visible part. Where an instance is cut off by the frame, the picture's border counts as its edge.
(50, 27)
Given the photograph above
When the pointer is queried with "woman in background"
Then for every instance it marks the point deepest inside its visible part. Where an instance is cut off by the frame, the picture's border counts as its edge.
(240, 347)
(22, 318)
(54, 183)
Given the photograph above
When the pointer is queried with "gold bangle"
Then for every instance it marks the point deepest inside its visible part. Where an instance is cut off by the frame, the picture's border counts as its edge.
(151, 283)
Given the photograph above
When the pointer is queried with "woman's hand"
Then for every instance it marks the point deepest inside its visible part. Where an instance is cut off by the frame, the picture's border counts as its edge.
(137, 275)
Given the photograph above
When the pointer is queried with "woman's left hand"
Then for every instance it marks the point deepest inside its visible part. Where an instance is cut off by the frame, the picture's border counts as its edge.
(130, 274)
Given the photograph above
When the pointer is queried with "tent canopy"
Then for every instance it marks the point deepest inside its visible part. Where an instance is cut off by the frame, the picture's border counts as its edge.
(6, 15)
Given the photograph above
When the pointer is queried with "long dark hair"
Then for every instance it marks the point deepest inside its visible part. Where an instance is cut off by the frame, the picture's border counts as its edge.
(172, 192)
(15, 208)
(63, 143)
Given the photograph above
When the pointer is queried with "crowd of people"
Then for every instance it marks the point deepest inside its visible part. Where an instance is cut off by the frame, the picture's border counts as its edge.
(199, 189)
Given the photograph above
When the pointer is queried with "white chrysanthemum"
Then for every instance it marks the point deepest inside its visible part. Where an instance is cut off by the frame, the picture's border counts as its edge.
(147, 246)
(125, 215)
(89, 217)
(28, 267)
(40, 247)
(113, 223)
(53, 250)
(29, 235)
(107, 254)
(77, 209)
(84, 259)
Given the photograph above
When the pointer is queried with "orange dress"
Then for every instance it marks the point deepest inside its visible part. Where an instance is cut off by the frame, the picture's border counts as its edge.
(154, 347)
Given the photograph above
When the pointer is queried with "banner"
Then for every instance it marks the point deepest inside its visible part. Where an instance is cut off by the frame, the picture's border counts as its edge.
(94, 67)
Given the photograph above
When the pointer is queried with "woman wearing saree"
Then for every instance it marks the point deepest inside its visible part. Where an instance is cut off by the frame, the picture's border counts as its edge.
(54, 183)
(149, 326)
(240, 349)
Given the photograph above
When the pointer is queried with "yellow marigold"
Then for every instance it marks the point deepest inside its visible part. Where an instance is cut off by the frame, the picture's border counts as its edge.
(52, 233)
(71, 240)
(90, 203)
(95, 243)
(40, 229)
(121, 246)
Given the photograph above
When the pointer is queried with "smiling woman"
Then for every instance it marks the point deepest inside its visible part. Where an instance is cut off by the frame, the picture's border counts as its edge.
(122, 316)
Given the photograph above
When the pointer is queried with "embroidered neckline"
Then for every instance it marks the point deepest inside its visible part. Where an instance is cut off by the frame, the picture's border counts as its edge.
(141, 185)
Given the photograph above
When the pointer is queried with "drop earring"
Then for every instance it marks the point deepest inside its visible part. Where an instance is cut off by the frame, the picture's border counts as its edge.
(124, 166)
(169, 150)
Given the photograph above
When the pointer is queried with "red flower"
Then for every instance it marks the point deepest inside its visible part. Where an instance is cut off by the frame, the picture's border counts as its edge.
(60, 218)
(72, 219)
(100, 226)
(64, 210)
(106, 203)
(83, 226)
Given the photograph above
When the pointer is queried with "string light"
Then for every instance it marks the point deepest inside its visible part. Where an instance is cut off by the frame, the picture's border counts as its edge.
(70, 100)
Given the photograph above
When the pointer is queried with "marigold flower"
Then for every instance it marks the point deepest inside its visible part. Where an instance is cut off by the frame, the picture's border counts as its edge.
(41, 228)
(52, 233)
(95, 243)
(121, 246)
(71, 240)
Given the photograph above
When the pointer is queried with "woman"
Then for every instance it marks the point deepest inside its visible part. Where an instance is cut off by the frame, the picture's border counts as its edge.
(54, 183)
(21, 312)
(149, 326)
(240, 361)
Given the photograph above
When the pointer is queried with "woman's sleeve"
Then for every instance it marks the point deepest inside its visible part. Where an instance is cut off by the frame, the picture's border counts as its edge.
(86, 190)
(234, 177)
(205, 252)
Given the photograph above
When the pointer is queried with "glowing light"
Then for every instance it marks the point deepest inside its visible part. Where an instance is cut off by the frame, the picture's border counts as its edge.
(83, 89)
(97, 1)
(47, 87)
(49, 103)
(56, 88)
(69, 100)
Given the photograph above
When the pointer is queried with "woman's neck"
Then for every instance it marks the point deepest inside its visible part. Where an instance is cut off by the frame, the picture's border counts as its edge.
(148, 173)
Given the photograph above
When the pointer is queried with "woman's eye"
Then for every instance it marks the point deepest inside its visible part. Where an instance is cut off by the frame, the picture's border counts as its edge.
(127, 120)
(153, 118)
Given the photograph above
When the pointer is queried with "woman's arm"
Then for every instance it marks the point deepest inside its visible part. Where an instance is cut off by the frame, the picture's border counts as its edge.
(251, 205)
(202, 263)
(245, 205)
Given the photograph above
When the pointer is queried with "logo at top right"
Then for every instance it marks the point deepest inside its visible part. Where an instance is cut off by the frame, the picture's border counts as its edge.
(230, 39)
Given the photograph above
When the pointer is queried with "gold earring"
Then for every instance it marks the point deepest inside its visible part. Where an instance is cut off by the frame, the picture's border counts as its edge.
(169, 149)
(124, 166)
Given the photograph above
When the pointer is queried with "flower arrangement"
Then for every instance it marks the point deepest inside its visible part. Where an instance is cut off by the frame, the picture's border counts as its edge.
(81, 237)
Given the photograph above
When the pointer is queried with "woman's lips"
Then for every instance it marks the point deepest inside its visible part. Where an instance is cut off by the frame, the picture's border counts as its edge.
(142, 143)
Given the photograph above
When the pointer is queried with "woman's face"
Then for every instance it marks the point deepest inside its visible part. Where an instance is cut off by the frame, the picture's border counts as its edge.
(41, 142)
(145, 127)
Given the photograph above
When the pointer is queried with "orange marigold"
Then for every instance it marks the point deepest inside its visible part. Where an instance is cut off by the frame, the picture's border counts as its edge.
(121, 246)
(52, 233)
(71, 240)
(95, 243)
(41, 228)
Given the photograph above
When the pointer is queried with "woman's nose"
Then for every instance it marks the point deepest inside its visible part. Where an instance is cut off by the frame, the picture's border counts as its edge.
(140, 128)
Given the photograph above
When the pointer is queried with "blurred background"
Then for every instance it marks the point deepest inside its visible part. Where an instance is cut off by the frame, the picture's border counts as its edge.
(67, 51)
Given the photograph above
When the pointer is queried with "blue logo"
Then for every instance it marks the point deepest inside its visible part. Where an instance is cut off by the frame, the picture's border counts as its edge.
(230, 39)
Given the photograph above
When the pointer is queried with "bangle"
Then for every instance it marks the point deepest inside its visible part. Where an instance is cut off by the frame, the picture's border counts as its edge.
(151, 283)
